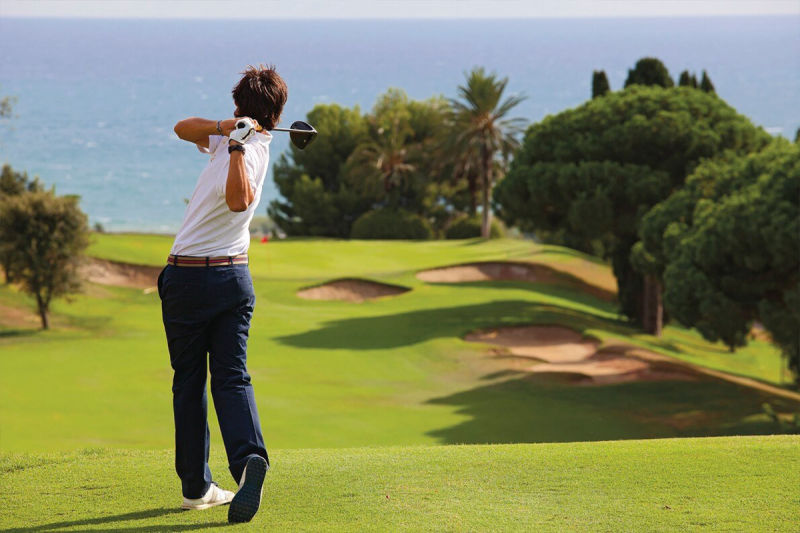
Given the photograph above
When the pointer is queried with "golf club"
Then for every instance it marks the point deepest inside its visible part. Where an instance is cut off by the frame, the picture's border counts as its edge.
(301, 133)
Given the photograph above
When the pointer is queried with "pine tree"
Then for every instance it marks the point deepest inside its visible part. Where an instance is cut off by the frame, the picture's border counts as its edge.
(649, 71)
(685, 80)
(600, 84)
(706, 85)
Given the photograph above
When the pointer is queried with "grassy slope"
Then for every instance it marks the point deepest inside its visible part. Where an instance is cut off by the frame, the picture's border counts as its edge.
(305, 261)
(721, 484)
(334, 374)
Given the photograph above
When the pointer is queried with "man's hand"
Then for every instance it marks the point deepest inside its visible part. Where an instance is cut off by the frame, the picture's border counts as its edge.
(245, 128)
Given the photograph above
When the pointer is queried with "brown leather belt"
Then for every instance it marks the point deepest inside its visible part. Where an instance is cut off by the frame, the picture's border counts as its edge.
(190, 261)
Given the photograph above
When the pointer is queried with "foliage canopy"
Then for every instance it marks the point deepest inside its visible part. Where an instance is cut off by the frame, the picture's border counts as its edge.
(649, 71)
(483, 136)
(43, 235)
(591, 173)
(600, 84)
(363, 162)
(726, 245)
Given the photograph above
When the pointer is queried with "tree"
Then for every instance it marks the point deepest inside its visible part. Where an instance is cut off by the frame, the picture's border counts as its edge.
(387, 160)
(706, 85)
(600, 84)
(591, 173)
(318, 200)
(649, 71)
(483, 137)
(13, 184)
(7, 106)
(726, 247)
(402, 134)
(687, 80)
(361, 162)
(44, 236)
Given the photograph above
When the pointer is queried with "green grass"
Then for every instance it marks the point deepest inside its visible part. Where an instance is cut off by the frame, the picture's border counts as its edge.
(337, 374)
(719, 484)
(313, 260)
(356, 401)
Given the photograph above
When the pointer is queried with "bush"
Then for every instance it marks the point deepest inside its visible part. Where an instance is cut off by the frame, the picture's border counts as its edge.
(391, 224)
(468, 227)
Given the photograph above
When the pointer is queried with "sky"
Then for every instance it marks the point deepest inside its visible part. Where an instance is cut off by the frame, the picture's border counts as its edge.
(352, 9)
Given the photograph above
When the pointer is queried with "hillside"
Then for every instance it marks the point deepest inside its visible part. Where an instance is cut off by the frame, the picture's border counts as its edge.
(398, 370)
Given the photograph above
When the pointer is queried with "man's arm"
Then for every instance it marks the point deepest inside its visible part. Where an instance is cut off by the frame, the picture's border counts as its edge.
(238, 193)
(197, 130)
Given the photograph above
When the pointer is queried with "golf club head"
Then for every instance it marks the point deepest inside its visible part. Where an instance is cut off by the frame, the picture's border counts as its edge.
(303, 138)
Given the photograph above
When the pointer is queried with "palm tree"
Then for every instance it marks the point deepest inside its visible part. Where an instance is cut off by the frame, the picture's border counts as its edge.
(388, 158)
(482, 135)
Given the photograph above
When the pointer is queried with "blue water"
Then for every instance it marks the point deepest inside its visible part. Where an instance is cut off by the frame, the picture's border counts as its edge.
(97, 99)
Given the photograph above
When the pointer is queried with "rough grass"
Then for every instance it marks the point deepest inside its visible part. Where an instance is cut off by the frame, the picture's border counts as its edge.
(720, 484)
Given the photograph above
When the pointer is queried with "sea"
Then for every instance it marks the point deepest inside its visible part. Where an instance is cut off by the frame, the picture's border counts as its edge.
(96, 100)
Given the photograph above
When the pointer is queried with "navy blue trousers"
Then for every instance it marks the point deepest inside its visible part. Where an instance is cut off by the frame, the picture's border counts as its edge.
(207, 312)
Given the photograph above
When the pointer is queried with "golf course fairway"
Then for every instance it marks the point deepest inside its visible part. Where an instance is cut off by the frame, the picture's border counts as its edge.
(381, 414)
(715, 484)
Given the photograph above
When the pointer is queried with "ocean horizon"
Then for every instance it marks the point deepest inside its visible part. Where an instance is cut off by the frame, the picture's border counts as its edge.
(96, 99)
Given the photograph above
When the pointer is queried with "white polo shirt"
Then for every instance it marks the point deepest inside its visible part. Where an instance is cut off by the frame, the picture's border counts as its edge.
(209, 227)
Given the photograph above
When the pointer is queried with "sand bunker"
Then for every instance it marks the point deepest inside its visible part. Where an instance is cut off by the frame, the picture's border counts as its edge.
(553, 344)
(351, 290)
(564, 351)
(121, 274)
(509, 271)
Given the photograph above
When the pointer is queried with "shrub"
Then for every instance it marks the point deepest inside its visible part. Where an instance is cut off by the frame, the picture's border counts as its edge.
(391, 224)
(467, 227)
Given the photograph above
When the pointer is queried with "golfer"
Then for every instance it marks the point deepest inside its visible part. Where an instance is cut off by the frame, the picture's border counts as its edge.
(207, 297)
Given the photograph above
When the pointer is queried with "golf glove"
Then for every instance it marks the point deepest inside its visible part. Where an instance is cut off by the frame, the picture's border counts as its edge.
(245, 128)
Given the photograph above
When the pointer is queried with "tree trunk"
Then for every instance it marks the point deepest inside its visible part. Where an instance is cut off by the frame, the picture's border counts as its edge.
(42, 311)
(7, 270)
(487, 183)
(473, 194)
(653, 310)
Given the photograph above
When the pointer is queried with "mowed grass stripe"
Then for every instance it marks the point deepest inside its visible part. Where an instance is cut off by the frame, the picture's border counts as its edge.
(715, 484)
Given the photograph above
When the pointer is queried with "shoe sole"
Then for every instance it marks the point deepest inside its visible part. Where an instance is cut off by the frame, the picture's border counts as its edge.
(203, 506)
(247, 500)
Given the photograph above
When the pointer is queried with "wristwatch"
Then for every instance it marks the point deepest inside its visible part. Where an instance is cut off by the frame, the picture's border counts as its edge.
(235, 148)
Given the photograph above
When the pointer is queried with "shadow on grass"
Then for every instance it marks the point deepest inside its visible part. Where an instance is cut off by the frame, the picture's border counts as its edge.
(412, 327)
(572, 289)
(571, 253)
(109, 520)
(528, 408)
(26, 332)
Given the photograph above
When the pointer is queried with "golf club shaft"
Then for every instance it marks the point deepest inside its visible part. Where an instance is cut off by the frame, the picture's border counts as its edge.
(291, 130)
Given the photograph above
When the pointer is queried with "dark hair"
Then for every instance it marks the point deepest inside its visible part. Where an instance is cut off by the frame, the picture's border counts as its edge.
(261, 94)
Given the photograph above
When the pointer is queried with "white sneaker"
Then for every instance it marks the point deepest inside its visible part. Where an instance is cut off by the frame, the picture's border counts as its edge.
(213, 497)
(248, 499)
